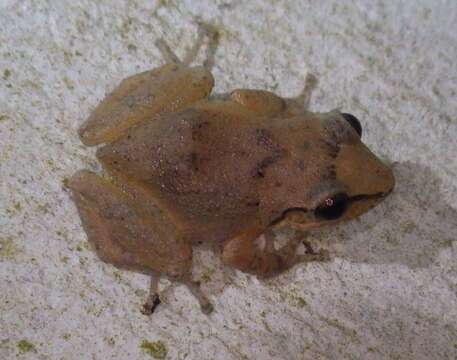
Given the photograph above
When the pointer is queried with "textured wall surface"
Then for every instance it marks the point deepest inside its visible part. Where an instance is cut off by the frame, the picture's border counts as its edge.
(390, 291)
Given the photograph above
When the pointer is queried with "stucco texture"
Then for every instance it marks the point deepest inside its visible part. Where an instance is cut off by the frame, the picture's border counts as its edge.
(390, 289)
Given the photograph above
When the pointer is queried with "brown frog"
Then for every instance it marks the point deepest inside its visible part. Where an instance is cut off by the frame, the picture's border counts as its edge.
(185, 168)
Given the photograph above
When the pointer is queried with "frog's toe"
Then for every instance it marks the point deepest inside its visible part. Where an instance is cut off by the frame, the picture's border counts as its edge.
(150, 305)
(323, 255)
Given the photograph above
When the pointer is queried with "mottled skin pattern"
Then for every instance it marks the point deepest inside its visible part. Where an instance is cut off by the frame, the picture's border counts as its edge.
(186, 169)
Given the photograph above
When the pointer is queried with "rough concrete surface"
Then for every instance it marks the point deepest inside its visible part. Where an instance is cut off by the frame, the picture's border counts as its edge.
(390, 291)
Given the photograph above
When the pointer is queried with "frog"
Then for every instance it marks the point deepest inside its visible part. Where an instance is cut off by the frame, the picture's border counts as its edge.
(182, 167)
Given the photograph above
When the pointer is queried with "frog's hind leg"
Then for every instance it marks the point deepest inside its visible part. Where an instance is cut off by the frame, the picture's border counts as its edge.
(169, 56)
(213, 36)
(147, 96)
(205, 30)
(128, 233)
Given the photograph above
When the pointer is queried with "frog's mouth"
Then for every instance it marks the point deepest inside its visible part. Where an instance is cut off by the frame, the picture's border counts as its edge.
(354, 206)
(370, 198)
(359, 204)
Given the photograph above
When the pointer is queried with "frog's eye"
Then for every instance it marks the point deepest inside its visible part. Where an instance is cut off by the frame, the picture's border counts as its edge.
(333, 207)
(354, 122)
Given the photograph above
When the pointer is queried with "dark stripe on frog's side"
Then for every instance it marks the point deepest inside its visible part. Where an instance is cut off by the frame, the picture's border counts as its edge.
(259, 171)
(331, 148)
(198, 130)
(329, 173)
(286, 212)
(265, 140)
(194, 161)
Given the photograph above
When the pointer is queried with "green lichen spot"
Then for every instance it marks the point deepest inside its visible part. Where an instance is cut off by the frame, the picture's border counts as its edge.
(65, 182)
(43, 208)
(6, 74)
(117, 276)
(301, 302)
(25, 346)
(448, 242)
(165, 3)
(68, 83)
(156, 349)
(3, 117)
(408, 227)
(17, 205)
(206, 277)
(67, 55)
(8, 249)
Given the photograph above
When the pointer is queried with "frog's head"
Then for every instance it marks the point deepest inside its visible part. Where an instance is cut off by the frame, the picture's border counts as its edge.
(348, 179)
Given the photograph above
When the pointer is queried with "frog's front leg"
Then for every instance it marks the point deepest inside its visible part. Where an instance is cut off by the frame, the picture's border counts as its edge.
(266, 103)
(153, 299)
(302, 100)
(244, 253)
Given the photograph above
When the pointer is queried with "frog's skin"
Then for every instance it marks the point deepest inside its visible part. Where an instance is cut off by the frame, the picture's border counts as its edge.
(185, 169)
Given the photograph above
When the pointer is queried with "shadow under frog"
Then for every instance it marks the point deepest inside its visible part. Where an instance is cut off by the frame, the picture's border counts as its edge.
(410, 229)
(185, 167)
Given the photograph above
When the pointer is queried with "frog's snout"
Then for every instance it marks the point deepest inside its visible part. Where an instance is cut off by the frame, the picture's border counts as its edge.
(389, 181)
(383, 179)
(366, 178)
(362, 172)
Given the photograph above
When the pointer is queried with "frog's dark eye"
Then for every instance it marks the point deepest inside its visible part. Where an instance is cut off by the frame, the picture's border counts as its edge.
(332, 207)
(355, 123)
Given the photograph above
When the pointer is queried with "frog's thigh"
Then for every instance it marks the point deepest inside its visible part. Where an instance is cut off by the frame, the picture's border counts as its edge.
(261, 102)
(143, 97)
(126, 235)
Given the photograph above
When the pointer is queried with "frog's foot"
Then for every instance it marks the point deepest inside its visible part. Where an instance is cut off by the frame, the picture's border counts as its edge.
(205, 30)
(205, 305)
(153, 299)
(310, 254)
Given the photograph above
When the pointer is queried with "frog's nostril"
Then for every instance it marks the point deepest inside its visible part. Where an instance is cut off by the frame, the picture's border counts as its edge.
(355, 123)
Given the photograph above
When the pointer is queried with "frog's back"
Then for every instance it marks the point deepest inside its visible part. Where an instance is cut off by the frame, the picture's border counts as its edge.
(204, 164)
